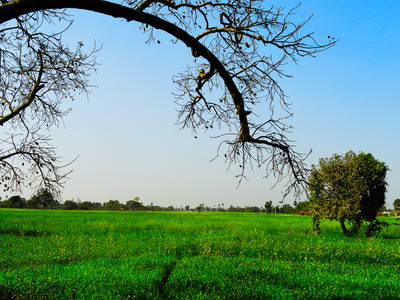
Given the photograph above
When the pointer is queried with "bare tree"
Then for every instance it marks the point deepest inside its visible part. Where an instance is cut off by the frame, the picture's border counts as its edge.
(37, 73)
(239, 49)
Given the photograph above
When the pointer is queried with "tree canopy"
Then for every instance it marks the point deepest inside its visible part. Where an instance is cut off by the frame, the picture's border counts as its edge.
(348, 188)
(396, 204)
(46, 198)
(14, 202)
(134, 204)
(239, 50)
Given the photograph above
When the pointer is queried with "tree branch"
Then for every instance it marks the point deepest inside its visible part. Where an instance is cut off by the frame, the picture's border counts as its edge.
(232, 54)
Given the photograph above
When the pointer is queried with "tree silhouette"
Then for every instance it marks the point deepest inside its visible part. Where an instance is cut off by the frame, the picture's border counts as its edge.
(239, 49)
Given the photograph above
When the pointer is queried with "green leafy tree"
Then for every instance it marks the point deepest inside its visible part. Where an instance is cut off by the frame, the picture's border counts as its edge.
(286, 209)
(70, 205)
(302, 207)
(268, 207)
(86, 205)
(13, 202)
(113, 205)
(240, 49)
(252, 209)
(34, 202)
(348, 188)
(396, 204)
(134, 204)
(200, 208)
(170, 208)
(45, 198)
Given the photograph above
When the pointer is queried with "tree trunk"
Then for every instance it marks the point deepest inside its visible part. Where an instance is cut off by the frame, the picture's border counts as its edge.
(344, 229)
(316, 222)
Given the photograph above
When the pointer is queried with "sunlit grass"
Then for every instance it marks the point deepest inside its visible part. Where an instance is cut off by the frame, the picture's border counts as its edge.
(160, 255)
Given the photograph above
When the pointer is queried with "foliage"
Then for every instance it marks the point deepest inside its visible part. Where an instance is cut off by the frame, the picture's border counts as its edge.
(348, 188)
(286, 209)
(46, 198)
(34, 202)
(235, 209)
(113, 205)
(396, 204)
(268, 207)
(239, 49)
(200, 208)
(182, 255)
(134, 204)
(13, 202)
(86, 205)
(302, 207)
(252, 209)
(70, 205)
(42, 199)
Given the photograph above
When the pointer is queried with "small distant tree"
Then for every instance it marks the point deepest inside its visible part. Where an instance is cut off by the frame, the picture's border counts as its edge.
(221, 208)
(200, 208)
(348, 188)
(34, 202)
(252, 209)
(134, 204)
(156, 208)
(396, 204)
(187, 207)
(236, 209)
(286, 209)
(302, 207)
(13, 202)
(113, 205)
(45, 198)
(70, 205)
(268, 207)
(231, 209)
(86, 205)
(97, 205)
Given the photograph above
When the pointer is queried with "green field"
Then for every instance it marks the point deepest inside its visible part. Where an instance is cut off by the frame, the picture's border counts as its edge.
(54, 254)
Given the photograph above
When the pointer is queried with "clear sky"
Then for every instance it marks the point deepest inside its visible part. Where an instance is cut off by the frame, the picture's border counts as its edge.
(128, 144)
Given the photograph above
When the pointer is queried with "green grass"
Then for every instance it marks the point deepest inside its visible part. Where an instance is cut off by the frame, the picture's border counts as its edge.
(179, 255)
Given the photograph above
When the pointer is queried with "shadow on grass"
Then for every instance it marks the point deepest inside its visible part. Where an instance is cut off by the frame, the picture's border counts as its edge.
(7, 293)
(390, 237)
(24, 232)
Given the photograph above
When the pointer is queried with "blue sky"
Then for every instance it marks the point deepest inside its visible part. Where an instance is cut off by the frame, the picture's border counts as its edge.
(128, 144)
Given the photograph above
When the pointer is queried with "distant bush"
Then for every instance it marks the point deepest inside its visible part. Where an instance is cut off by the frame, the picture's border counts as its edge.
(70, 205)
(13, 202)
(252, 209)
(304, 213)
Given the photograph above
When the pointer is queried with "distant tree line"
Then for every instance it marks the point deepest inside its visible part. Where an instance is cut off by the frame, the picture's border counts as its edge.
(43, 199)
(301, 207)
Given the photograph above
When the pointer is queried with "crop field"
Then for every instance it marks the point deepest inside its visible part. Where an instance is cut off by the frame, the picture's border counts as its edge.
(54, 254)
